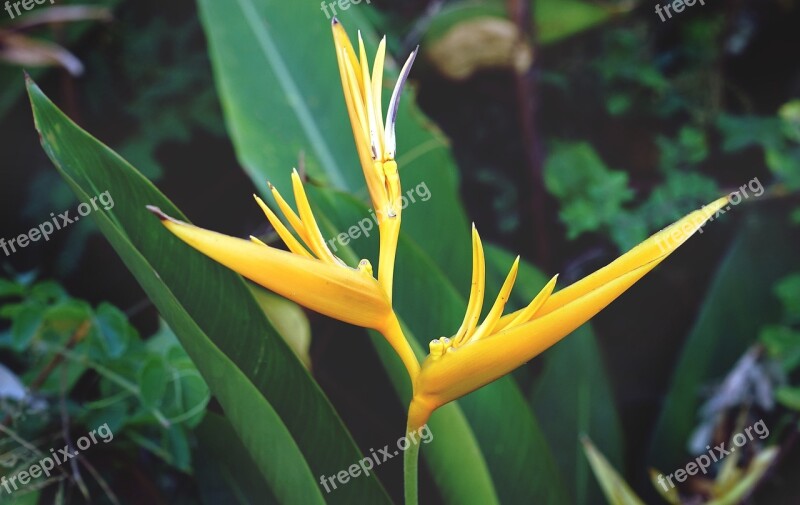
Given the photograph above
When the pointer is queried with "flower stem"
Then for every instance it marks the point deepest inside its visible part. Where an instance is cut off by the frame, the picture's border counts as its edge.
(411, 473)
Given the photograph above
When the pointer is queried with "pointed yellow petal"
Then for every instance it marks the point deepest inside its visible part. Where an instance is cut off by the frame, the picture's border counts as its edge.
(290, 215)
(475, 304)
(362, 147)
(525, 315)
(281, 230)
(375, 143)
(257, 240)
(655, 248)
(315, 239)
(341, 293)
(377, 89)
(343, 46)
(358, 103)
(486, 328)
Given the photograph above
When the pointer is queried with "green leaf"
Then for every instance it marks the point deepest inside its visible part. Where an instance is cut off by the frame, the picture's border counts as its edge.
(740, 132)
(187, 393)
(558, 19)
(273, 87)
(727, 324)
(789, 397)
(27, 498)
(152, 381)
(178, 446)
(115, 332)
(225, 472)
(790, 115)
(788, 291)
(688, 149)
(10, 288)
(248, 367)
(591, 194)
(27, 323)
(783, 344)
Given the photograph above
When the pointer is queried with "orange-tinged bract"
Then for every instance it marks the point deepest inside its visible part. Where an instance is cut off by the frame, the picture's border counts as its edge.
(476, 356)
(308, 273)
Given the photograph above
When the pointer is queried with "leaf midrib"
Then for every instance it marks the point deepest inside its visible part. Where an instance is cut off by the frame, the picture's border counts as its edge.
(292, 92)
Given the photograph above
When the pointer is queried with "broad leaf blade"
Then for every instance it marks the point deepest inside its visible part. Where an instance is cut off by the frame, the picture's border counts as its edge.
(279, 412)
(225, 471)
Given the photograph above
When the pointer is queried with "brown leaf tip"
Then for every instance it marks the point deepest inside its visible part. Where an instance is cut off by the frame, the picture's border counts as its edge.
(160, 214)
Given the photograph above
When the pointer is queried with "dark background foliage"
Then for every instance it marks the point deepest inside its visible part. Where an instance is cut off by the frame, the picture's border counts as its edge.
(610, 134)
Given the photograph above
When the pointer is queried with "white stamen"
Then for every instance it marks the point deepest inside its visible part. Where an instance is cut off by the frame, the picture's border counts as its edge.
(394, 105)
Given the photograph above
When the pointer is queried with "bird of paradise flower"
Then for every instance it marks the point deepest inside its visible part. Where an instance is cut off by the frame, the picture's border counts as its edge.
(475, 354)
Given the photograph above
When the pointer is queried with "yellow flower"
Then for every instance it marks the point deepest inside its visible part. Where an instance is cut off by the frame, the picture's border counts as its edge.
(477, 355)
(308, 274)
(374, 138)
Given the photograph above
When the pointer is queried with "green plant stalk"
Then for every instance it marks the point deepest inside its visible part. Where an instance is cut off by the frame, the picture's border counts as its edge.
(411, 472)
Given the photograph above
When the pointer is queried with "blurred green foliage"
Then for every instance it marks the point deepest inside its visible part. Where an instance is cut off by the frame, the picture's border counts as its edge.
(89, 363)
(782, 341)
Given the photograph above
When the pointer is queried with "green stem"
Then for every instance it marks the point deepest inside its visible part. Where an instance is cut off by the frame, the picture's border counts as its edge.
(411, 473)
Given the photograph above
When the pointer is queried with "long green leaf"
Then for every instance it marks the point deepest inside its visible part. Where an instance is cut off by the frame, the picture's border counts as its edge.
(726, 326)
(278, 411)
(225, 472)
